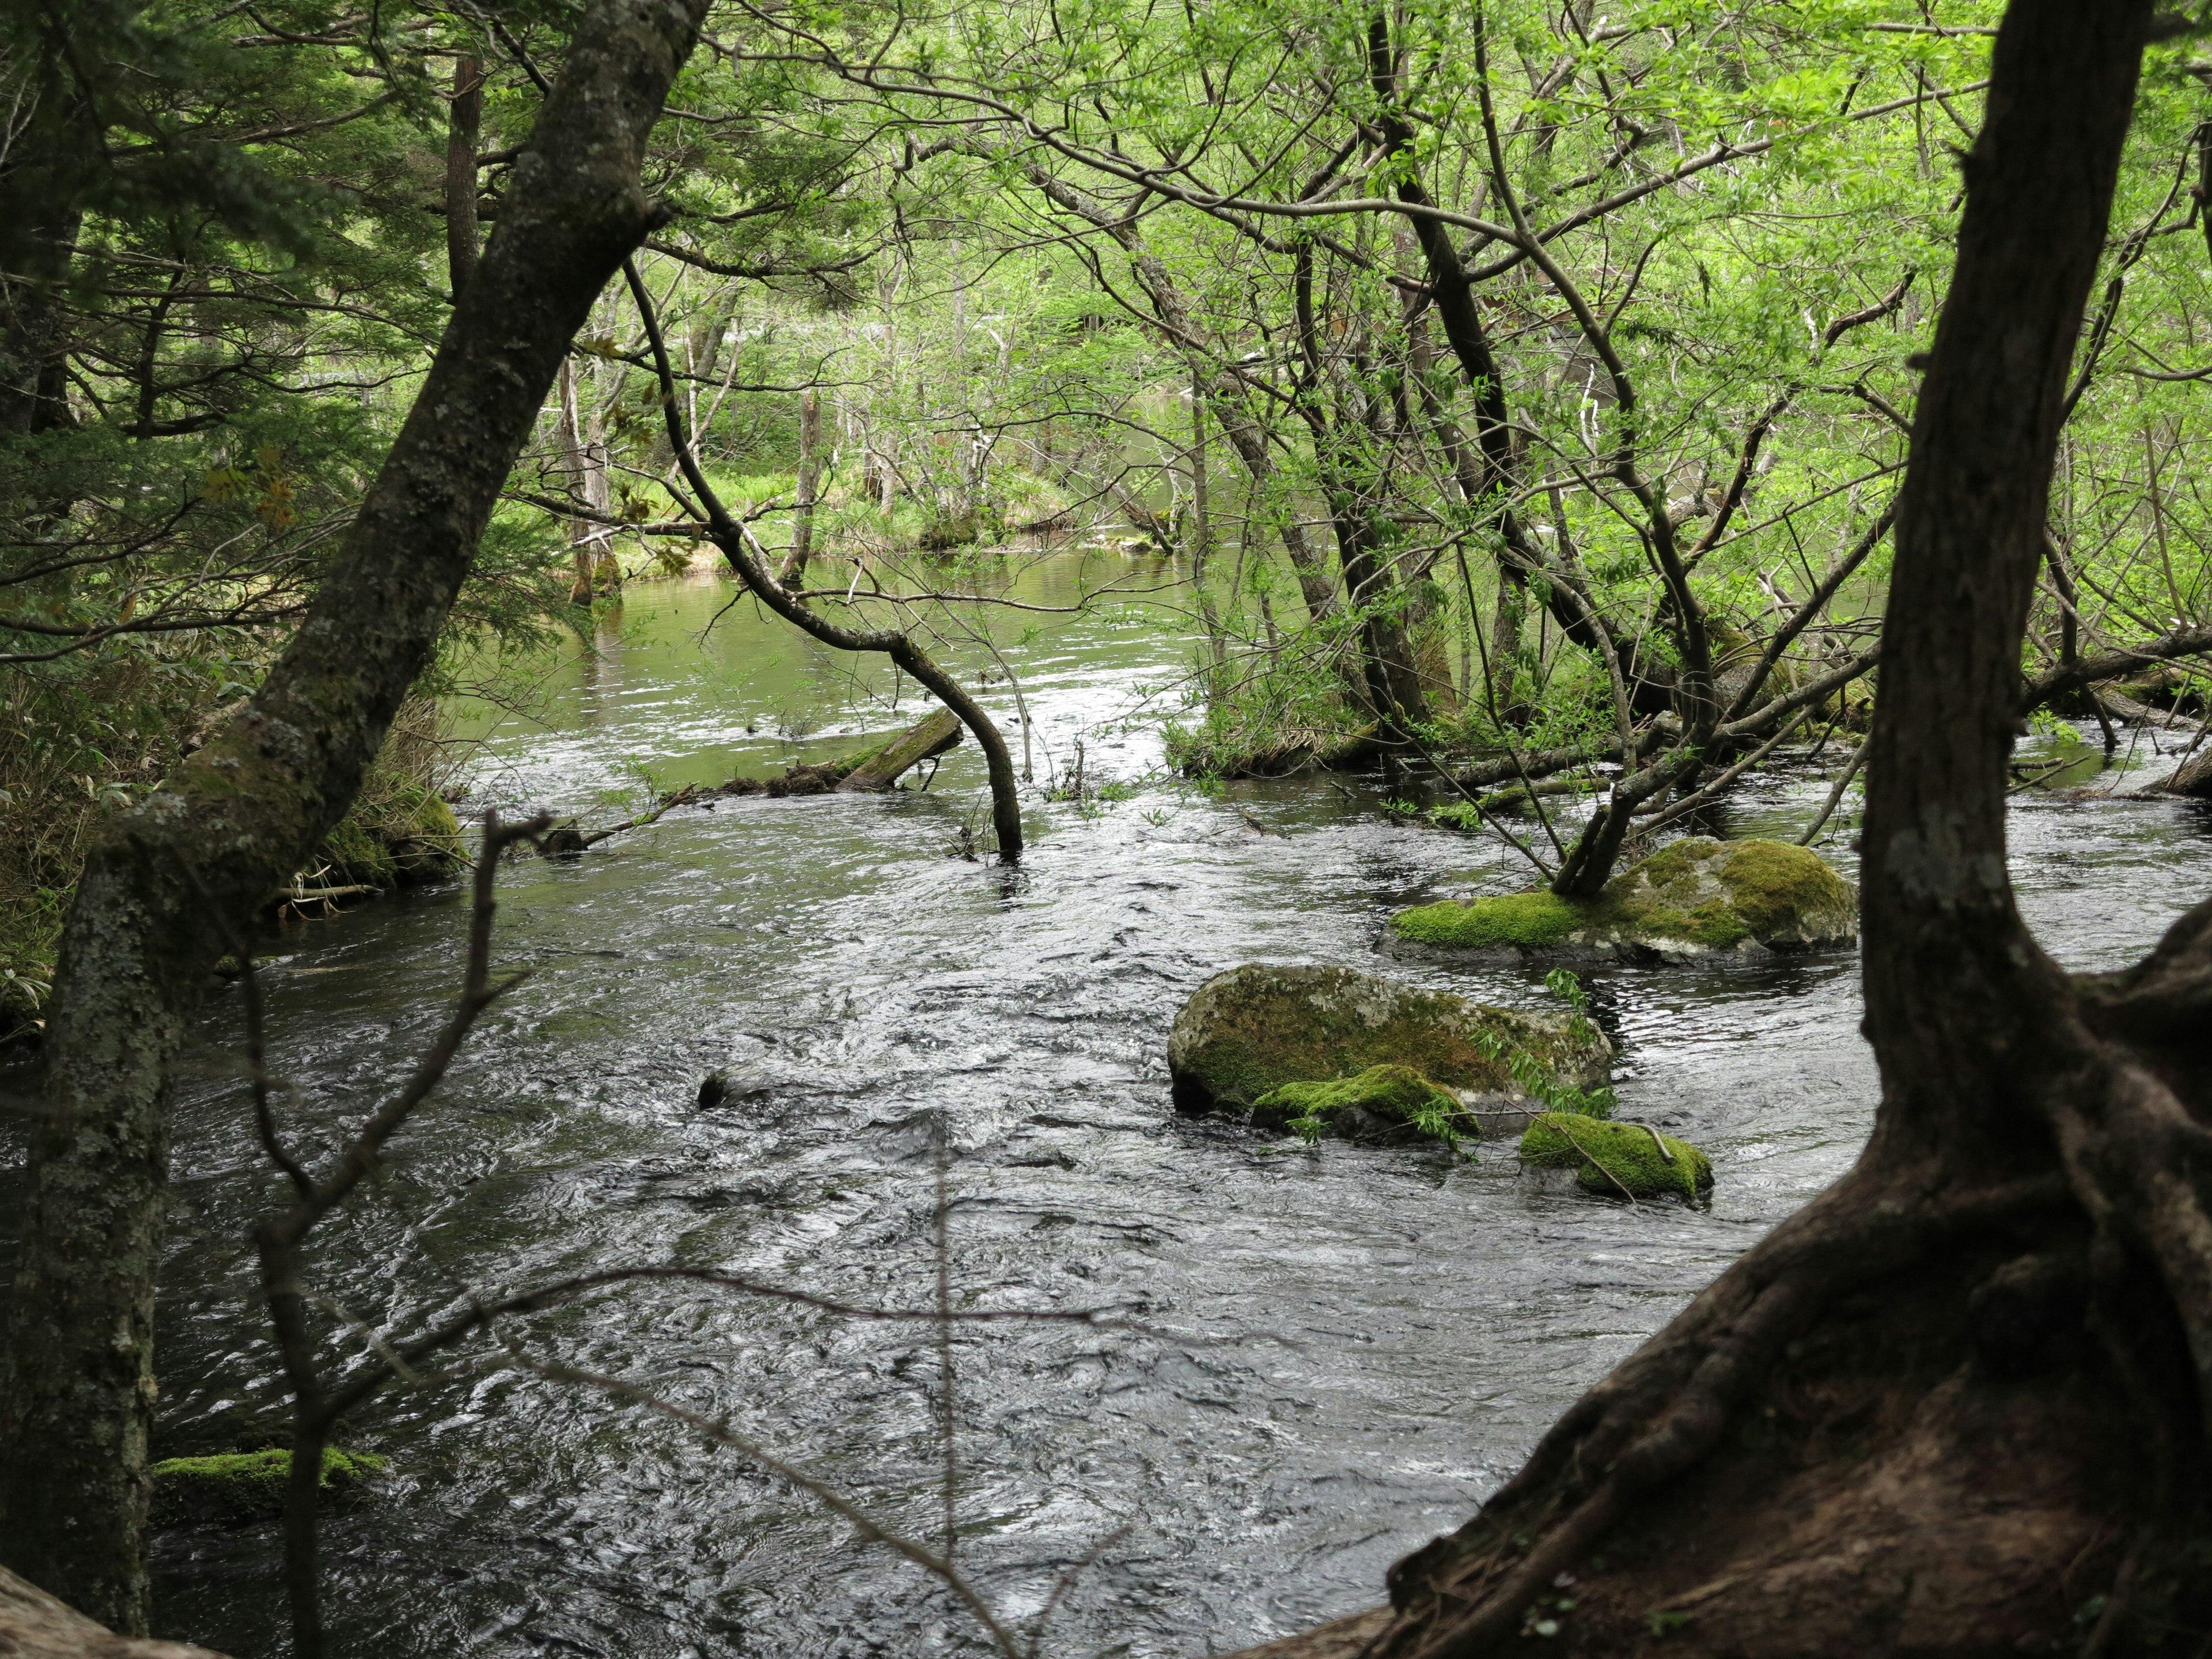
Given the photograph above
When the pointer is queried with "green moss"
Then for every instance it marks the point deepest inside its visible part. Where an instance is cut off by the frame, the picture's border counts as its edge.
(1772, 884)
(357, 857)
(243, 1486)
(1380, 1097)
(405, 833)
(1609, 1157)
(1696, 890)
(1532, 919)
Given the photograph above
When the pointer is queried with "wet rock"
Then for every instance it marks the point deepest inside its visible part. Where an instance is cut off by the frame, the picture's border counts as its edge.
(1246, 1033)
(1693, 898)
(725, 1087)
(234, 1488)
(1618, 1160)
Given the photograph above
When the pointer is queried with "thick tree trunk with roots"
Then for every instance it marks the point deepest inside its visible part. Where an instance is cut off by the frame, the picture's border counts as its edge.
(1957, 1405)
(236, 819)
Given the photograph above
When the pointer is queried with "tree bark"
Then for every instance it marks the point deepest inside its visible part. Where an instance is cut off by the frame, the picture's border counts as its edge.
(464, 122)
(587, 481)
(1957, 1405)
(240, 815)
(879, 769)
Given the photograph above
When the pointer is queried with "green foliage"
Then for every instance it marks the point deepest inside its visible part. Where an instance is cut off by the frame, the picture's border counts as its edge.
(1566, 985)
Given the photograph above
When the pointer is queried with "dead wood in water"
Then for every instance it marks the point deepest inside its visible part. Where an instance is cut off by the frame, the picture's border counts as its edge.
(922, 741)
(875, 770)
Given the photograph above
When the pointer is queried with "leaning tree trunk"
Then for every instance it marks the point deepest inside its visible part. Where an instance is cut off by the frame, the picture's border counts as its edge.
(1957, 1405)
(241, 815)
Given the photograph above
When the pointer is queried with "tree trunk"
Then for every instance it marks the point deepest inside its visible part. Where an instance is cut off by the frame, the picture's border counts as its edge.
(794, 573)
(587, 461)
(237, 817)
(1202, 533)
(1957, 1405)
(465, 121)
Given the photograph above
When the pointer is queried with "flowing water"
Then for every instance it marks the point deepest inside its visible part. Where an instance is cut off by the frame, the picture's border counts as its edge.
(1321, 1356)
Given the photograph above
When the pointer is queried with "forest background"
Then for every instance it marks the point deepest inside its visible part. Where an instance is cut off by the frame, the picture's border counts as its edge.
(1215, 280)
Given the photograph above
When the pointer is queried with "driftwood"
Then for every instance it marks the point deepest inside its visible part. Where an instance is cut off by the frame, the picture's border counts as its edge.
(2193, 777)
(36, 1625)
(878, 768)
(884, 768)
(2143, 714)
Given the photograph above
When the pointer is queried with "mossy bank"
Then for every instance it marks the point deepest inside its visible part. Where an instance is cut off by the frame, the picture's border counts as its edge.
(1696, 897)
(1246, 1034)
(232, 1488)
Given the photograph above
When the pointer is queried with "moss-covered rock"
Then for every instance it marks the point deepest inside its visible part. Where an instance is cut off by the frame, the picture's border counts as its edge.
(234, 1488)
(399, 830)
(1617, 1160)
(1246, 1033)
(404, 836)
(1691, 898)
(1527, 922)
(1383, 1103)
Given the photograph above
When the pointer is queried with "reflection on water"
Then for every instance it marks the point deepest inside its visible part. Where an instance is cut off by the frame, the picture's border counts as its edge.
(1339, 1350)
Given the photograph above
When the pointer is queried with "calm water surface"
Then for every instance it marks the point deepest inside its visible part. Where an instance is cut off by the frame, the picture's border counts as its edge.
(1334, 1354)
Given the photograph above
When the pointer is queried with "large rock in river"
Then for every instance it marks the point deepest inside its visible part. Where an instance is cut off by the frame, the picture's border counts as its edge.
(1692, 898)
(1252, 1030)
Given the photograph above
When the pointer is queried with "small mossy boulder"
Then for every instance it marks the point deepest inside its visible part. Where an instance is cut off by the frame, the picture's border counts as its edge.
(1383, 1103)
(1691, 898)
(1246, 1033)
(1618, 1160)
(407, 836)
(1527, 922)
(234, 1487)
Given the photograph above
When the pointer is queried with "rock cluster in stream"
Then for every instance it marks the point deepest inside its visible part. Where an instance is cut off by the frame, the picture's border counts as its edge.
(1693, 898)
(1329, 1052)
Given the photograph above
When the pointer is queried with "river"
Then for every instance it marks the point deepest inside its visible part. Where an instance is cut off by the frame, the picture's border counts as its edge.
(1322, 1357)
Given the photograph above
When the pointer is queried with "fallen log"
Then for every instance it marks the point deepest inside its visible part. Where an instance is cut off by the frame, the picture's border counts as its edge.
(918, 742)
(876, 769)
(872, 769)
(2192, 778)
(2143, 714)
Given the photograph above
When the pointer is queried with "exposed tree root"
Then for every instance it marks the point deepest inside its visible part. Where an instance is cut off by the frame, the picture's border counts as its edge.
(1871, 1435)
